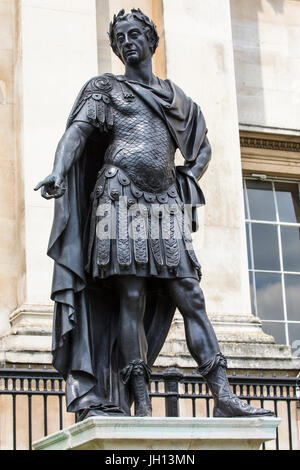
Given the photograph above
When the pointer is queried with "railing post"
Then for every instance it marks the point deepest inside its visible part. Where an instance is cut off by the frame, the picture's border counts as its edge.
(172, 377)
(298, 386)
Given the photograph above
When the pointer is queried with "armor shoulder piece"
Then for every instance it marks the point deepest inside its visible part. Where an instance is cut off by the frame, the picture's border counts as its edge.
(93, 104)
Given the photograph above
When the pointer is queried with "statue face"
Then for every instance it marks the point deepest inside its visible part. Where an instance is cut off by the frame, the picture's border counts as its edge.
(132, 42)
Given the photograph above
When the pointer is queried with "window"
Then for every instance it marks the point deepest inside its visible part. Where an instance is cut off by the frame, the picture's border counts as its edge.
(272, 211)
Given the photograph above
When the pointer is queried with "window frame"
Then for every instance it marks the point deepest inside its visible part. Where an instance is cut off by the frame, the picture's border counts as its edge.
(278, 224)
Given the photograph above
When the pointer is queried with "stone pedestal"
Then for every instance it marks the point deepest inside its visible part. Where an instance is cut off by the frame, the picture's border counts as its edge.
(99, 433)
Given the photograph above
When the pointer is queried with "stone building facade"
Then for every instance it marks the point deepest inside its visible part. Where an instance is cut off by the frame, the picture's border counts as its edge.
(240, 60)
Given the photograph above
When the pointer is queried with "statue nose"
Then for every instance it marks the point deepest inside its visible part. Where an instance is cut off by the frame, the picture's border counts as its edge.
(126, 41)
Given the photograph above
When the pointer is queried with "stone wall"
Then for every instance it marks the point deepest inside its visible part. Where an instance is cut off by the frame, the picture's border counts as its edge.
(11, 185)
(266, 37)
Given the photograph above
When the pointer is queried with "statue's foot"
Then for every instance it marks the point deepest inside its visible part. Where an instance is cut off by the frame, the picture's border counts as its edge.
(88, 413)
(231, 406)
(138, 373)
(94, 411)
(143, 409)
(142, 403)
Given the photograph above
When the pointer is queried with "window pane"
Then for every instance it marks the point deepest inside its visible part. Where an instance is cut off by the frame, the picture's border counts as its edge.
(261, 200)
(294, 337)
(269, 296)
(292, 294)
(276, 330)
(251, 274)
(248, 246)
(287, 196)
(245, 205)
(290, 239)
(265, 247)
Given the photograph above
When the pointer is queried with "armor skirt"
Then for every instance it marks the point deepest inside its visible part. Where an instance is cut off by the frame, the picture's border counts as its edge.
(133, 232)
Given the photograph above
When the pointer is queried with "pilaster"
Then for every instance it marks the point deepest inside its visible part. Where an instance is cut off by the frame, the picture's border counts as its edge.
(57, 53)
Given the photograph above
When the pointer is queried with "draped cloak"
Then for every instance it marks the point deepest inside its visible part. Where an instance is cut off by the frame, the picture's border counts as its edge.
(85, 324)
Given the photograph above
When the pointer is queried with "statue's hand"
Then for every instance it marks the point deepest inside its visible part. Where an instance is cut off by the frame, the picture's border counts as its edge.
(52, 186)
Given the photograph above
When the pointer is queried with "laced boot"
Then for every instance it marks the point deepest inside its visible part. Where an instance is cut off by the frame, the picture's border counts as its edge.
(226, 404)
(139, 374)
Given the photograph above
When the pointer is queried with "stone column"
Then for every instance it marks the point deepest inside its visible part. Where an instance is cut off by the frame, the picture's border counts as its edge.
(9, 265)
(58, 53)
(199, 58)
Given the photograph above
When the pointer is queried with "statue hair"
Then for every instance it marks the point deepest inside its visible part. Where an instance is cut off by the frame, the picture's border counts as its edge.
(148, 26)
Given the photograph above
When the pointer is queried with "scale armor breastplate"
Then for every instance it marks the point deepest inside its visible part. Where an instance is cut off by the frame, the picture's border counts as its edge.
(141, 143)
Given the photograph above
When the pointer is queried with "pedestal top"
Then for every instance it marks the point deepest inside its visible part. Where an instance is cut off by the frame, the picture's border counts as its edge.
(125, 433)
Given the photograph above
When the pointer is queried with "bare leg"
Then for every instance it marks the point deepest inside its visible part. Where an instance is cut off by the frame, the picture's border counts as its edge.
(203, 346)
(132, 338)
(200, 335)
(133, 342)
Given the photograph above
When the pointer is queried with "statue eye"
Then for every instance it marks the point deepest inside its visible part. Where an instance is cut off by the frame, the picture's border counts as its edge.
(134, 34)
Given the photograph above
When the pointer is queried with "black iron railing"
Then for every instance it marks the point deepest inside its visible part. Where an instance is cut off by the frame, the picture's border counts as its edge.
(32, 402)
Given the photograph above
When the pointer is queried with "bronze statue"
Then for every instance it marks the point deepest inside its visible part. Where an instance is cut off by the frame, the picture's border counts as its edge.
(121, 237)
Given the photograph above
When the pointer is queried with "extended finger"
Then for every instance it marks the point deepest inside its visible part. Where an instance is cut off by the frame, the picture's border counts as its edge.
(39, 185)
(42, 183)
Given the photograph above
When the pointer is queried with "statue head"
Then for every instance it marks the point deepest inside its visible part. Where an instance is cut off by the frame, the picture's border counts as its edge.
(117, 32)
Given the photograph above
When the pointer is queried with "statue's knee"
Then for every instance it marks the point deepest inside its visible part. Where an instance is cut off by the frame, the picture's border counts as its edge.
(133, 299)
(194, 291)
(198, 294)
(132, 296)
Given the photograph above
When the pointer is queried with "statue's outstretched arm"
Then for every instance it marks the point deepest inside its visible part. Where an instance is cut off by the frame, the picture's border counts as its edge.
(70, 147)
